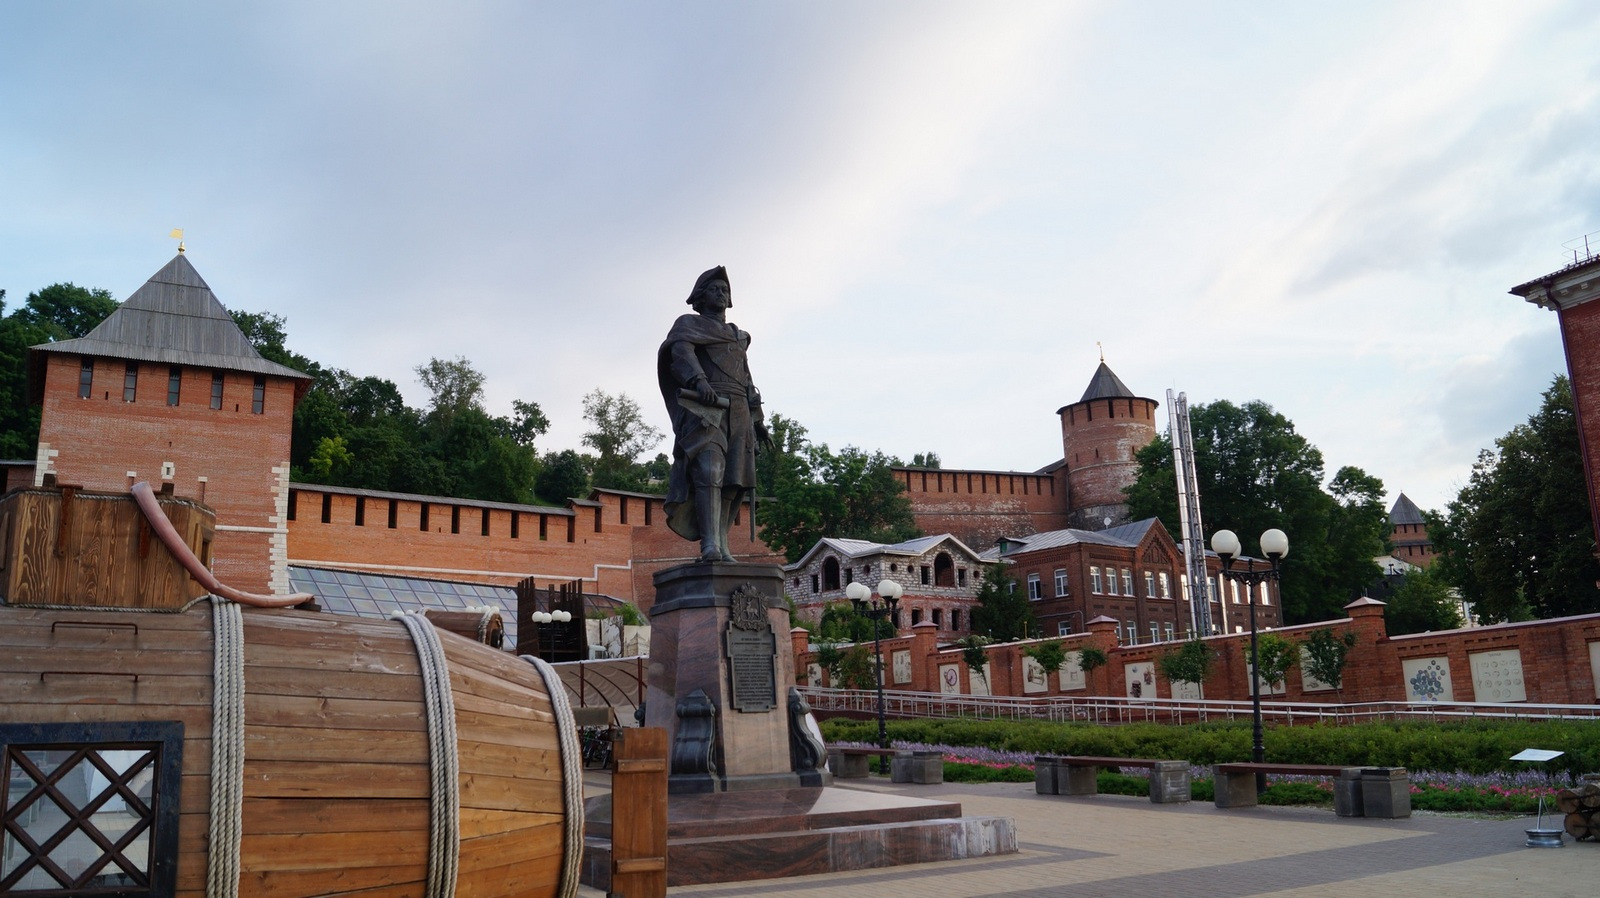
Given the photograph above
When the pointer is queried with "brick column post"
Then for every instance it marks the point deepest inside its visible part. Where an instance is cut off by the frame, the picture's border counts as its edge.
(1366, 665)
(800, 645)
(1103, 636)
(924, 664)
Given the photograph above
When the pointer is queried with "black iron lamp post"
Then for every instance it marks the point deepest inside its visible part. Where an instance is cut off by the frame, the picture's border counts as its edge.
(875, 611)
(1275, 545)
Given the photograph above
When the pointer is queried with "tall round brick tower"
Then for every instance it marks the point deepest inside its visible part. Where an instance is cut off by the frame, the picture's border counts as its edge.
(1099, 435)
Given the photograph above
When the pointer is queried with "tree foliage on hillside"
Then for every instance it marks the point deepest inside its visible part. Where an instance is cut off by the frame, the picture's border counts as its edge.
(1518, 540)
(1421, 603)
(816, 492)
(619, 434)
(1254, 473)
(1003, 612)
(58, 312)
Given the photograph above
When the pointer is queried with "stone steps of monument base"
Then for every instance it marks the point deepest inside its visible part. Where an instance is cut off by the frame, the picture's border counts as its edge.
(774, 855)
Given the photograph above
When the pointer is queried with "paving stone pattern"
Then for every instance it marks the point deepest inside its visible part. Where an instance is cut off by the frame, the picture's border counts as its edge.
(1114, 845)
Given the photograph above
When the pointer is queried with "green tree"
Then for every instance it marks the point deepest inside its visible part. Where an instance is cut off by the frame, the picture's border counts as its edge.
(454, 386)
(19, 417)
(526, 424)
(851, 494)
(58, 312)
(1190, 663)
(1090, 658)
(1254, 473)
(841, 623)
(1325, 656)
(269, 334)
(66, 311)
(1003, 613)
(1422, 602)
(1049, 655)
(565, 475)
(1518, 540)
(925, 460)
(620, 435)
(1277, 655)
(974, 653)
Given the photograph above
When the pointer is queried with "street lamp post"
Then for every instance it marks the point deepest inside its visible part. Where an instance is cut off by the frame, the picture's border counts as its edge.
(875, 611)
(542, 636)
(1275, 545)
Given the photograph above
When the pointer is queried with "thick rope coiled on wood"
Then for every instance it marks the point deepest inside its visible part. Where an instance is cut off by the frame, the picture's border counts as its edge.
(227, 750)
(444, 802)
(571, 776)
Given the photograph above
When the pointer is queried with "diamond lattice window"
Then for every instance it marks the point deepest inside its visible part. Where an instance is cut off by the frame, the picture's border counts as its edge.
(89, 809)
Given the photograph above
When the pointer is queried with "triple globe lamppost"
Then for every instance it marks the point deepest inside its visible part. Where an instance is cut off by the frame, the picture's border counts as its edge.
(1274, 545)
(548, 617)
(858, 593)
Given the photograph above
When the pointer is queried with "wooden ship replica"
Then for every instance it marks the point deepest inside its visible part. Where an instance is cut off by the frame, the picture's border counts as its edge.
(163, 734)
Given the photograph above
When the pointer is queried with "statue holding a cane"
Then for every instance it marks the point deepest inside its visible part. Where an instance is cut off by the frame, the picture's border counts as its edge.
(716, 418)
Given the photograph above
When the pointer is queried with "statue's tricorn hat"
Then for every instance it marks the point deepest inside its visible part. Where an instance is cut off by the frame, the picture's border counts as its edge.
(716, 274)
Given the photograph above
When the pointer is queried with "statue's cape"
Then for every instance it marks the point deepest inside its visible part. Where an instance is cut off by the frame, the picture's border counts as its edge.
(697, 330)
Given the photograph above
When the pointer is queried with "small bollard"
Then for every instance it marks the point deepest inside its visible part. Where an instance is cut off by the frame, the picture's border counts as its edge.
(1385, 792)
(1347, 793)
(1044, 775)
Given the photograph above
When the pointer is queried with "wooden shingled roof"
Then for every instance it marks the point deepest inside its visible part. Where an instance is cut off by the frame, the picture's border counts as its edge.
(173, 319)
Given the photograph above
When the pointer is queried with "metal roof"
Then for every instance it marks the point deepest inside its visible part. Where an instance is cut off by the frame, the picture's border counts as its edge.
(1125, 536)
(1405, 511)
(1105, 385)
(371, 595)
(856, 548)
(174, 319)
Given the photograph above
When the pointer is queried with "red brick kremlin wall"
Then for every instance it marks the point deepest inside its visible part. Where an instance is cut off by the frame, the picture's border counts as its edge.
(979, 507)
(614, 542)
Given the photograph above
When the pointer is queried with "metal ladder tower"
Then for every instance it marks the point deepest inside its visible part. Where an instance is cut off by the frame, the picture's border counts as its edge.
(1194, 543)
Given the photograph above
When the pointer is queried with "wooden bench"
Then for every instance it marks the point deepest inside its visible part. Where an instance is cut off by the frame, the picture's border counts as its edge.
(1357, 791)
(851, 763)
(1077, 775)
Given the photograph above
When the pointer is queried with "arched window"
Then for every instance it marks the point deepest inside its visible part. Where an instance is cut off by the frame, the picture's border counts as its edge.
(830, 574)
(944, 570)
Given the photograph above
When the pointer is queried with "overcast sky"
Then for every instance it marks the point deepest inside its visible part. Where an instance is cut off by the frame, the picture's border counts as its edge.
(931, 213)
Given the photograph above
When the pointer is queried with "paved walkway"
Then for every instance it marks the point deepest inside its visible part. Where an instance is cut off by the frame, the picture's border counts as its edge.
(1112, 845)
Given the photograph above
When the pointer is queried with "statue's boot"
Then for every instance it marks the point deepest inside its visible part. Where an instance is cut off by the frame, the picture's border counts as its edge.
(707, 513)
(730, 499)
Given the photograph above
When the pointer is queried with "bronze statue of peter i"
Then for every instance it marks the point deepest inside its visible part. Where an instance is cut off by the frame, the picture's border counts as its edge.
(716, 417)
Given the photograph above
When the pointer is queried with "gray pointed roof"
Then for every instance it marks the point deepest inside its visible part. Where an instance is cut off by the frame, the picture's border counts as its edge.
(174, 319)
(1405, 511)
(1105, 385)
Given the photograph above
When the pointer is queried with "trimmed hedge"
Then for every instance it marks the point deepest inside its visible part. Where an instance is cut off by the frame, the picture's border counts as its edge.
(1477, 746)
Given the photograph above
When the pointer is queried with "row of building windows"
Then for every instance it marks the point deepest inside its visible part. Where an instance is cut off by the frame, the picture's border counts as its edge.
(1105, 582)
(424, 518)
(130, 386)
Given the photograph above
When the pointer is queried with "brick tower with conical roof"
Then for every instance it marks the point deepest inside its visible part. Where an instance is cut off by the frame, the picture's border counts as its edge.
(168, 390)
(1100, 434)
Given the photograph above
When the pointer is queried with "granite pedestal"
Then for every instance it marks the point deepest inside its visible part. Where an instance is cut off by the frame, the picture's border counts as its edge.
(748, 795)
(706, 639)
(734, 836)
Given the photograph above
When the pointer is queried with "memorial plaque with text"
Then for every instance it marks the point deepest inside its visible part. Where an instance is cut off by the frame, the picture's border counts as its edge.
(751, 647)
